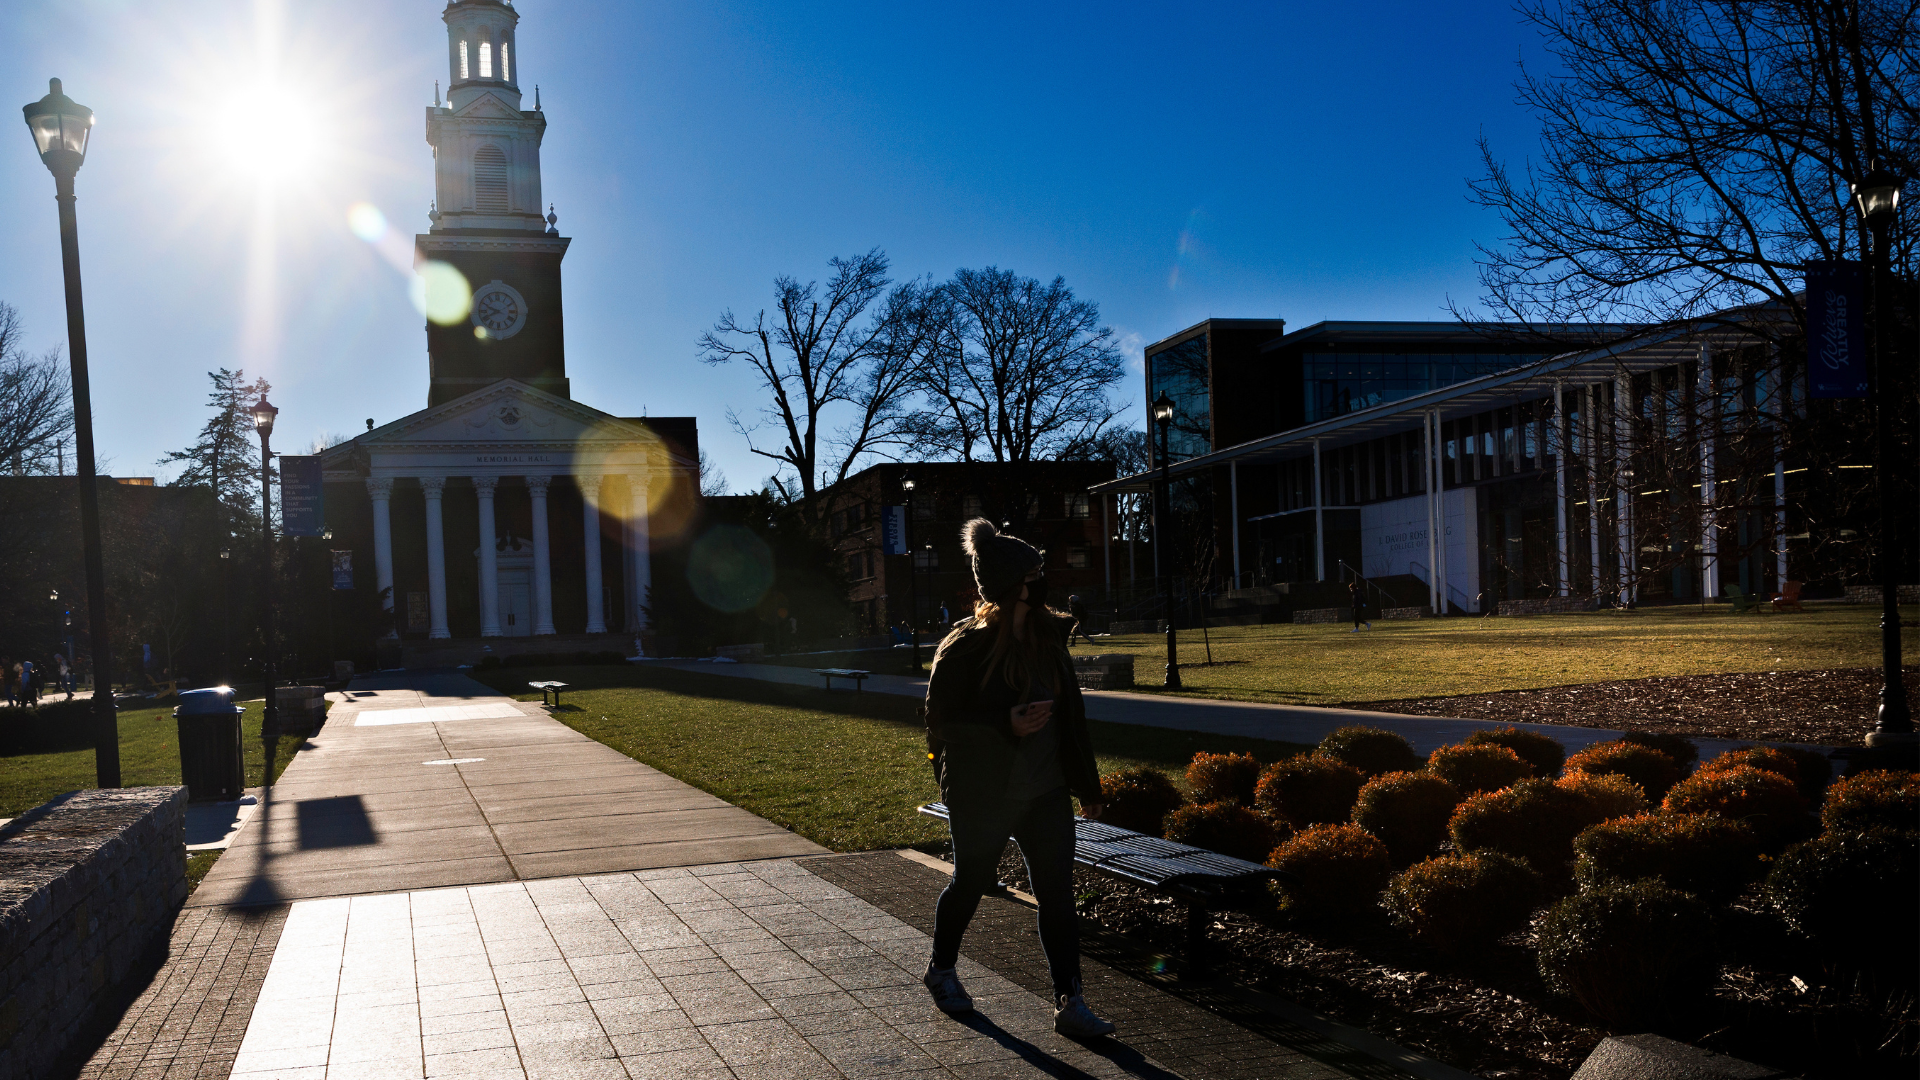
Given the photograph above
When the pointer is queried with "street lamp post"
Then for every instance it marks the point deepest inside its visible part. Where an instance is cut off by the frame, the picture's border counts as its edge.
(263, 414)
(1876, 197)
(907, 484)
(60, 129)
(1162, 518)
(226, 594)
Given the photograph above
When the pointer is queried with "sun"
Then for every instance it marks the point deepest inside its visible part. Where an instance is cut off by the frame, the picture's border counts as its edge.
(270, 130)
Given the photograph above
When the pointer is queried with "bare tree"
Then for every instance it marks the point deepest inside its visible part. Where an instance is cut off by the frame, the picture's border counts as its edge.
(36, 407)
(1020, 372)
(713, 482)
(1696, 154)
(820, 348)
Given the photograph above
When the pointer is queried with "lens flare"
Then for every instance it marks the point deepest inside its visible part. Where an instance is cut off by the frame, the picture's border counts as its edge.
(730, 568)
(441, 293)
(367, 222)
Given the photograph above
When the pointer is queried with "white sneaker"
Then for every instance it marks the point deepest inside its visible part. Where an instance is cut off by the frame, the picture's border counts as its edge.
(1072, 1018)
(948, 995)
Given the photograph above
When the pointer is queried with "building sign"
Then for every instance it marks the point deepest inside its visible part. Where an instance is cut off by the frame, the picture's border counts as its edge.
(343, 569)
(1393, 541)
(1836, 330)
(300, 509)
(893, 530)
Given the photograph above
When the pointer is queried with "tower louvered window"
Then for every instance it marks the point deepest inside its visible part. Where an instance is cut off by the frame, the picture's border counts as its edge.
(490, 179)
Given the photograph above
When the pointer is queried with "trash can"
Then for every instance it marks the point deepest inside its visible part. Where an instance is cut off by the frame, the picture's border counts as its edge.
(210, 750)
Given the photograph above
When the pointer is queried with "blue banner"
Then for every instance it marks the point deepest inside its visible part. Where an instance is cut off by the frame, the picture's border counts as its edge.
(1836, 330)
(300, 511)
(893, 530)
(343, 569)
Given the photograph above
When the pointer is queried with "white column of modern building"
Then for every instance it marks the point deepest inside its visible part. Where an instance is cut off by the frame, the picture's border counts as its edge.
(1709, 416)
(637, 559)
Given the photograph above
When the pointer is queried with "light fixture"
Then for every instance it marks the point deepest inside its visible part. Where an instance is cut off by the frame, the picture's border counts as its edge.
(263, 414)
(60, 128)
(1877, 195)
(1162, 408)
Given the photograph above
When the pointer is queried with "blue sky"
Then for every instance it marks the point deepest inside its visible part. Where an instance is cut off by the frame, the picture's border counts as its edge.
(1172, 161)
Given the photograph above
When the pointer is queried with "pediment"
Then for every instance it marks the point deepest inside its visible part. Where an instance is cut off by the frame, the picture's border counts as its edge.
(488, 107)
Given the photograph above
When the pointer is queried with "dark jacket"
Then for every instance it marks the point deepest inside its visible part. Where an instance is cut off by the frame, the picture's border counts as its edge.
(970, 736)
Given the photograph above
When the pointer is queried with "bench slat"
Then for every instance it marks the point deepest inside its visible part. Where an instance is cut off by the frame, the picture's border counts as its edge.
(1152, 861)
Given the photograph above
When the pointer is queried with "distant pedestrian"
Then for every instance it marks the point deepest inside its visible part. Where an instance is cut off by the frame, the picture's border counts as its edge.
(1079, 612)
(66, 674)
(1358, 590)
(946, 619)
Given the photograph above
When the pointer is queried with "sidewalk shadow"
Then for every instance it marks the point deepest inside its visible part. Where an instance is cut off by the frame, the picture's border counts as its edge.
(1122, 1055)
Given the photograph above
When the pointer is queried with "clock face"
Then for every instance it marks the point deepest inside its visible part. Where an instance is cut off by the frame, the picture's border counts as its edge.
(499, 309)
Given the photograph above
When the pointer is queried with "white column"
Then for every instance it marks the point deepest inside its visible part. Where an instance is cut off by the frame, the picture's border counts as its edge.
(1782, 401)
(542, 556)
(380, 490)
(1106, 540)
(1233, 510)
(489, 559)
(431, 487)
(590, 524)
(1440, 568)
(639, 552)
(1560, 433)
(1429, 473)
(1590, 419)
(1319, 521)
(1709, 429)
(1623, 485)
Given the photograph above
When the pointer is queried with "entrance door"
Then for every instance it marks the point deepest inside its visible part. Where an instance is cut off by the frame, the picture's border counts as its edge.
(516, 603)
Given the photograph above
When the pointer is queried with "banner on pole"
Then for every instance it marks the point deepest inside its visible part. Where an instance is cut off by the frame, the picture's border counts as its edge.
(343, 569)
(1836, 330)
(301, 513)
(893, 529)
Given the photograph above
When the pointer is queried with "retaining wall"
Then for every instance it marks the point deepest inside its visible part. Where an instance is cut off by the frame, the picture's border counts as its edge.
(1547, 605)
(89, 885)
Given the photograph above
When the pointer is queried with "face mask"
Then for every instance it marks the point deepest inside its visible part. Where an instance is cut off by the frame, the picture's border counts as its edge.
(1037, 592)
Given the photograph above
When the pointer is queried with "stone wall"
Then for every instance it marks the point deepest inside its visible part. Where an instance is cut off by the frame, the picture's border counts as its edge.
(1138, 626)
(1871, 594)
(89, 884)
(1547, 605)
(1106, 671)
(1420, 612)
(1323, 615)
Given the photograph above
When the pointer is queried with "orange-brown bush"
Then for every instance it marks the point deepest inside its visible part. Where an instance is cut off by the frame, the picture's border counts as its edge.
(1879, 798)
(1308, 789)
(1225, 827)
(1223, 777)
(1535, 820)
(1637, 954)
(1371, 750)
(1705, 854)
(1816, 771)
(1408, 811)
(1681, 749)
(1341, 869)
(1462, 902)
(1543, 752)
(1654, 771)
(1765, 758)
(1610, 794)
(1766, 801)
(1474, 769)
(1139, 799)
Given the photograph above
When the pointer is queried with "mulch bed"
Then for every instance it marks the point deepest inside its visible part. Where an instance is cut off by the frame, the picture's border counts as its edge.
(1827, 708)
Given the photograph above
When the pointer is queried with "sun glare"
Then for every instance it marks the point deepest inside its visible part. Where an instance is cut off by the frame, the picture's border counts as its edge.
(271, 131)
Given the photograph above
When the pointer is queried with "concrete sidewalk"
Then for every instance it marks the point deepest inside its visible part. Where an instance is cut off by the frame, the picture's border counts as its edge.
(1284, 723)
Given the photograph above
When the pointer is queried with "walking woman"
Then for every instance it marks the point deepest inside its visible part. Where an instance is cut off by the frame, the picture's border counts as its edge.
(1007, 735)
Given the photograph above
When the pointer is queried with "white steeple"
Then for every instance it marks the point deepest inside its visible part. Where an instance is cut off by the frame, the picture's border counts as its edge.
(486, 149)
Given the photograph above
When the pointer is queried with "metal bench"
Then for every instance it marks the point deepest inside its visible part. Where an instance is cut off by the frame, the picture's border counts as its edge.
(832, 673)
(548, 688)
(1204, 880)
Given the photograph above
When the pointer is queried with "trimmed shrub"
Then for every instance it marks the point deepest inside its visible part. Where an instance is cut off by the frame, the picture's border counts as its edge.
(1637, 954)
(1373, 751)
(1654, 771)
(1139, 799)
(1609, 794)
(1766, 801)
(1225, 827)
(1535, 820)
(1677, 747)
(1461, 903)
(1223, 778)
(1853, 894)
(1473, 769)
(1543, 752)
(1408, 811)
(1816, 771)
(1342, 869)
(1765, 758)
(1879, 798)
(1309, 789)
(1705, 854)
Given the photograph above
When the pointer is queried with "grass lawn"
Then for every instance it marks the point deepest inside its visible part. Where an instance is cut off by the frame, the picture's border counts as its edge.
(149, 754)
(844, 771)
(1330, 665)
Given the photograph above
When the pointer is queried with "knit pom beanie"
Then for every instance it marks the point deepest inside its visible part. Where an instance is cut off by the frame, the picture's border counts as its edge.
(1000, 562)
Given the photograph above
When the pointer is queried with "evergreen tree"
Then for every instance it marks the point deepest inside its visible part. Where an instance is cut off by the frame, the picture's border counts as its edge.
(225, 458)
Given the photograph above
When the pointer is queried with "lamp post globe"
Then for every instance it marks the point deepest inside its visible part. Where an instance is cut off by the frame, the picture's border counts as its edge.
(61, 128)
(1876, 198)
(907, 483)
(263, 414)
(1162, 520)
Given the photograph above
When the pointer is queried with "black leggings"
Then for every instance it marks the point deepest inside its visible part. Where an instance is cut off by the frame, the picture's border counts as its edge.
(1043, 827)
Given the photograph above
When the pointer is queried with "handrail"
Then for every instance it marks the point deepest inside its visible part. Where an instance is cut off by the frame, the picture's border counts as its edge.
(1369, 583)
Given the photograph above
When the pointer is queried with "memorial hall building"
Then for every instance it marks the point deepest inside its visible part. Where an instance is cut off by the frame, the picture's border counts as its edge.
(504, 509)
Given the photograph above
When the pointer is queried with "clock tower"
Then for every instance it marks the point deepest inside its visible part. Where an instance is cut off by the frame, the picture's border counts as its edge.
(487, 220)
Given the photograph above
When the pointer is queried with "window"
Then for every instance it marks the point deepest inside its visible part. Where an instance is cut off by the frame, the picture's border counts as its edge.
(923, 506)
(856, 567)
(486, 59)
(490, 179)
(971, 507)
(463, 61)
(1077, 558)
(506, 74)
(1033, 508)
(926, 558)
(1078, 505)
